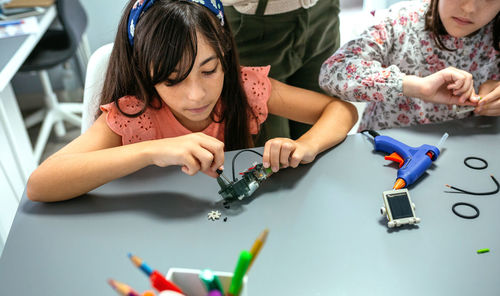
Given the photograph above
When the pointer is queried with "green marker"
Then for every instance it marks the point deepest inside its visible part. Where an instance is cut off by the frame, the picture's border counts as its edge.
(481, 251)
(239, 272)
(211, 281)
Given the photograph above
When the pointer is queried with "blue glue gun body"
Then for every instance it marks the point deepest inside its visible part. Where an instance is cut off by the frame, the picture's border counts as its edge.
(413, 162)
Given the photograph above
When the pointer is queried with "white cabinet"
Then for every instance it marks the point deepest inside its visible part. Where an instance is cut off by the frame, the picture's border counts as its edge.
(16, 160)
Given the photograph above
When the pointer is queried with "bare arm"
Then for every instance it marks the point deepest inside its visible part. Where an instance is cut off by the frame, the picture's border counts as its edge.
(332, 119)
(91, 160)
(97, 157)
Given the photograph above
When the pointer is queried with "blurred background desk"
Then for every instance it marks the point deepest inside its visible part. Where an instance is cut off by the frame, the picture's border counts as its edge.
(16, 157)
(327, 236)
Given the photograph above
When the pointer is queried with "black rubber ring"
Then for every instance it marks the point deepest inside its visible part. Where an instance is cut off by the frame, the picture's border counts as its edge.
(468, 205)
(475, 158)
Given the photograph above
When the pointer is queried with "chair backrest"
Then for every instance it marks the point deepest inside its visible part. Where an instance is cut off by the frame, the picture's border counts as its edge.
(94, 81)
(74, 19)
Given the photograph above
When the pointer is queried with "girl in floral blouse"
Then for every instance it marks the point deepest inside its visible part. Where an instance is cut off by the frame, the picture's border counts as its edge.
(419, 61)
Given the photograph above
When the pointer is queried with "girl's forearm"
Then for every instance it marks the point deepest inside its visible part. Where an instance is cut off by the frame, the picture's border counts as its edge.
(332, 126)
(68, 175)
(411, 86)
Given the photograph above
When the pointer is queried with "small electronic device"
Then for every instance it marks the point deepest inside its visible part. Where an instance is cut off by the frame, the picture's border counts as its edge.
(398, 208)
(245, 186)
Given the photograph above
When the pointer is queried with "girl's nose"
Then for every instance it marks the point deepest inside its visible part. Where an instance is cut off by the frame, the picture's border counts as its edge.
(195, 90)
(469, 6)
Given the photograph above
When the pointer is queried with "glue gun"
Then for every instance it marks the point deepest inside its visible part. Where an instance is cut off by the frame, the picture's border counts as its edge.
(413, 161)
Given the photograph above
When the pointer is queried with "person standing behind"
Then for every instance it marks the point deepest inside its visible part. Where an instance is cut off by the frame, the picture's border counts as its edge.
(294, 37)
(423, 57)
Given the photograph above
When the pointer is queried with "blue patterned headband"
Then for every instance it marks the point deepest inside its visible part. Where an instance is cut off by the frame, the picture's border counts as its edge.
(141, 6)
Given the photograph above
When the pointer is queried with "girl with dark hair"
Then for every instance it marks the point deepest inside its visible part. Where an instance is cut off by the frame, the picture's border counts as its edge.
(422, 58)
(174, 94)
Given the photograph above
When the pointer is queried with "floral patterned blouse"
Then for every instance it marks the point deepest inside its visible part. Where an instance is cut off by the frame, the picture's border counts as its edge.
(371, 67)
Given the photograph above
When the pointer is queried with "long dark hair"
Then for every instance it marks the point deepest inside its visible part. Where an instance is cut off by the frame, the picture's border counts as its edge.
(165, 38)
(433, 24)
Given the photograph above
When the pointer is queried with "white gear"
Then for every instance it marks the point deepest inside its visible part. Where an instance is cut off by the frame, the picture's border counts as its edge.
(214, 215)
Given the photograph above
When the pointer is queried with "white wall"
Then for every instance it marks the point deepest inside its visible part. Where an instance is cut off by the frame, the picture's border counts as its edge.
(103, 17)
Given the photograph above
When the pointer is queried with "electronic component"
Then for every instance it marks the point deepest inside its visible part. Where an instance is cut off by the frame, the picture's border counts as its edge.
(398, 208)
(245, 186)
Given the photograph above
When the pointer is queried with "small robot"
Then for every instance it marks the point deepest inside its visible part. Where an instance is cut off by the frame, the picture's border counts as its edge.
(398, 208)
(245, 186)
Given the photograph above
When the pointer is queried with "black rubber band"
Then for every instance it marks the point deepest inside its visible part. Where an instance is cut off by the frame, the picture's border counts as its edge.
(468, 205)
(475, 158)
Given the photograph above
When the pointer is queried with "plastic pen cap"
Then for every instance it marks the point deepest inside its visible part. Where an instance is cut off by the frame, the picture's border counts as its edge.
(210, 280)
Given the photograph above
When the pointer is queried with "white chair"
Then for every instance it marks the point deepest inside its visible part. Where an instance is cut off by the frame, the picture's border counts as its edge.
(94, 81)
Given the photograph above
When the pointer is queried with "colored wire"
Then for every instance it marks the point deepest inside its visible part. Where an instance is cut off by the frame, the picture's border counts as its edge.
(475, 158)
(467, 205)
(236, 155)
(477, 193)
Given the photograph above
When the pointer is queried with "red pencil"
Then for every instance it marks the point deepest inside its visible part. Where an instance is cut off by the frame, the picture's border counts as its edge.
(158, 280)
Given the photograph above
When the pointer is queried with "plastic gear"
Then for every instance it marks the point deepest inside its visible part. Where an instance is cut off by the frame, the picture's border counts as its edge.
(214, 215)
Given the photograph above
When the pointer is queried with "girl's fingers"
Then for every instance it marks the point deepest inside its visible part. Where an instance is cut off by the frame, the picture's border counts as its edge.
(466, 96)
(205, 158)
(286, 151)
(185, 170)
(457, 85)
(296, 158)
(215, 148)
(274, 155)
(211, 173)
(494, 95)
(474, 98)
(454, 78)
(490, 108)
(191, 165)
(467, 83)
(266, 156)
(489, 112)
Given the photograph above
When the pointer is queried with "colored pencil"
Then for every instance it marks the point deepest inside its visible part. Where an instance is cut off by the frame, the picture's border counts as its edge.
(158, 280)
(257, 245)
(122, 288)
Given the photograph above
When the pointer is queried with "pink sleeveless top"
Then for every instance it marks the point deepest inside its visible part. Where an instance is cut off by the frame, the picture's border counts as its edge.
(161, 123)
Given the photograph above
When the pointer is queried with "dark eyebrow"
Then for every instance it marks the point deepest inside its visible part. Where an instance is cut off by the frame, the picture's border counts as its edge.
(207, 60)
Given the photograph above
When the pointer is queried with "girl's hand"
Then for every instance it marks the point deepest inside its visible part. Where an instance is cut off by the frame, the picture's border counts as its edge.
(489, 104)
(194, 152)
(284, 152)
(448, 86)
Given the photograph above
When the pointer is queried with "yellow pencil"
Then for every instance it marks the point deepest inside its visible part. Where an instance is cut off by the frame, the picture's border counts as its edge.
(257, 245)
